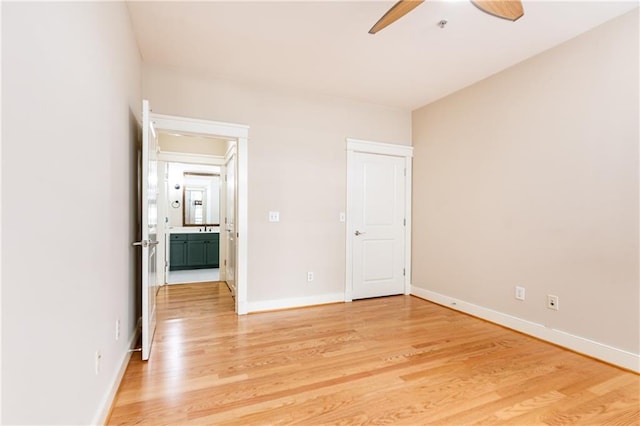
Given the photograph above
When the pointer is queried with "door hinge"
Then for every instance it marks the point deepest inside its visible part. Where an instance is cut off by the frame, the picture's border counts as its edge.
(404, 222)
(405, 171)
(403, 272)
(225, 262)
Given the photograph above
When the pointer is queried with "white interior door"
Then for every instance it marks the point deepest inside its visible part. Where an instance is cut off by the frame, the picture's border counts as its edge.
(230, 228)
(149, 220)
(377, 215)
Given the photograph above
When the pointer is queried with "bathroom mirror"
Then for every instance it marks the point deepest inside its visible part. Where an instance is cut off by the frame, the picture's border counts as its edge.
(201, 199)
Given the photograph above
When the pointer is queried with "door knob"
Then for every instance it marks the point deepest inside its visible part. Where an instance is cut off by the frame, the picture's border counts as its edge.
(359, 233)
(145, 243)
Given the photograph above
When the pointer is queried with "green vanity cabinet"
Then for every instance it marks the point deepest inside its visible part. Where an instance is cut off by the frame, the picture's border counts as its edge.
(194, 251)
(212, 251)
(196, 254)
(177, 251)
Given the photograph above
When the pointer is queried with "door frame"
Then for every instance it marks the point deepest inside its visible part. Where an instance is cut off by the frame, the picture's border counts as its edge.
(356, 146)
(232, 151)
(240, 134)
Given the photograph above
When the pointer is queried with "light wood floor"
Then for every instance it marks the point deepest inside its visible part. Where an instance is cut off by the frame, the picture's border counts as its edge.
(393, 360)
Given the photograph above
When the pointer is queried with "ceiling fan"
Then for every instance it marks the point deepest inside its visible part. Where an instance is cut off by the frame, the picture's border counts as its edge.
(505, 9)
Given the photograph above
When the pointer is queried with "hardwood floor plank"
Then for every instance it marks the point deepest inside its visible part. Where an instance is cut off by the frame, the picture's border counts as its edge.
(392, 360)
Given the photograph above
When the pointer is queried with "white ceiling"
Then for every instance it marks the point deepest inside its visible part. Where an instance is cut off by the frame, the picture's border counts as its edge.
(325, 48)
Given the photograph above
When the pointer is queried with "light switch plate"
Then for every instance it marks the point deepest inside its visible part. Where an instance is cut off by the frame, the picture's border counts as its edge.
(520, 293)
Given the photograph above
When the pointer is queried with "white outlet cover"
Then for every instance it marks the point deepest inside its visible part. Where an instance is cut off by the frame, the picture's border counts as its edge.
(274, 216)
(553, 302)
(520, 293)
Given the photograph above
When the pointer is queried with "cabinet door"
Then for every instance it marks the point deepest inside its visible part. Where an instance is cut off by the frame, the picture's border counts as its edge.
(177, 255)
(196, 254)
(213, 252)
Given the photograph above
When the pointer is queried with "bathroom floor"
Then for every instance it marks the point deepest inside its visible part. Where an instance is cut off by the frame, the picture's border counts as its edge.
(193, 276)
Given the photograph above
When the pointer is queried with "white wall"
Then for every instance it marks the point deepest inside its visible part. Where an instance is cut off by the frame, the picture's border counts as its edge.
(70, 102)
(192, 144)
(297, 166)
(530, 178)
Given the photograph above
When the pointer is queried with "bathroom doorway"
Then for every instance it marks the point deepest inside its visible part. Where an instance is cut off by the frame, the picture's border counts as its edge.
(194, 210)
(192, 207)
(196, 158)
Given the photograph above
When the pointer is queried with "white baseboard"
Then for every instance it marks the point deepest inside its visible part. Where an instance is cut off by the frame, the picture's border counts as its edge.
(295, 302)
(594, 349)
(105, 407)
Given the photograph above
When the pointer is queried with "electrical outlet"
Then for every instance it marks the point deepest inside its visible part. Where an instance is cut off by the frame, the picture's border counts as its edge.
(309, 276)
(520, 292)
(553, 302)
(274, 216)
(98, 359)
(118, 329)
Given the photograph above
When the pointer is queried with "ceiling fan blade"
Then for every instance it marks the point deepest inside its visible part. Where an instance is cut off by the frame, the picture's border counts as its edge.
(396, 12)
(505, 9)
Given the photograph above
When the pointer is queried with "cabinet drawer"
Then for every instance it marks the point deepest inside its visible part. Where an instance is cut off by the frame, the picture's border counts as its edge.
(207, 236)
(178, 237)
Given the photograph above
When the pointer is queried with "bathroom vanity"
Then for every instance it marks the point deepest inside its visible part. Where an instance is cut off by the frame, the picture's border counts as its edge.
(194, 251)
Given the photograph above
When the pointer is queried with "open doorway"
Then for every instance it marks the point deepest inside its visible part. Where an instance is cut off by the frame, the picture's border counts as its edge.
(194, 208)
(190, 207)
(203, 202)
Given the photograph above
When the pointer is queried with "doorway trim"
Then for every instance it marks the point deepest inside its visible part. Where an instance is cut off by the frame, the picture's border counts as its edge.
(240, 134)
(369, 147)
(180, 157)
